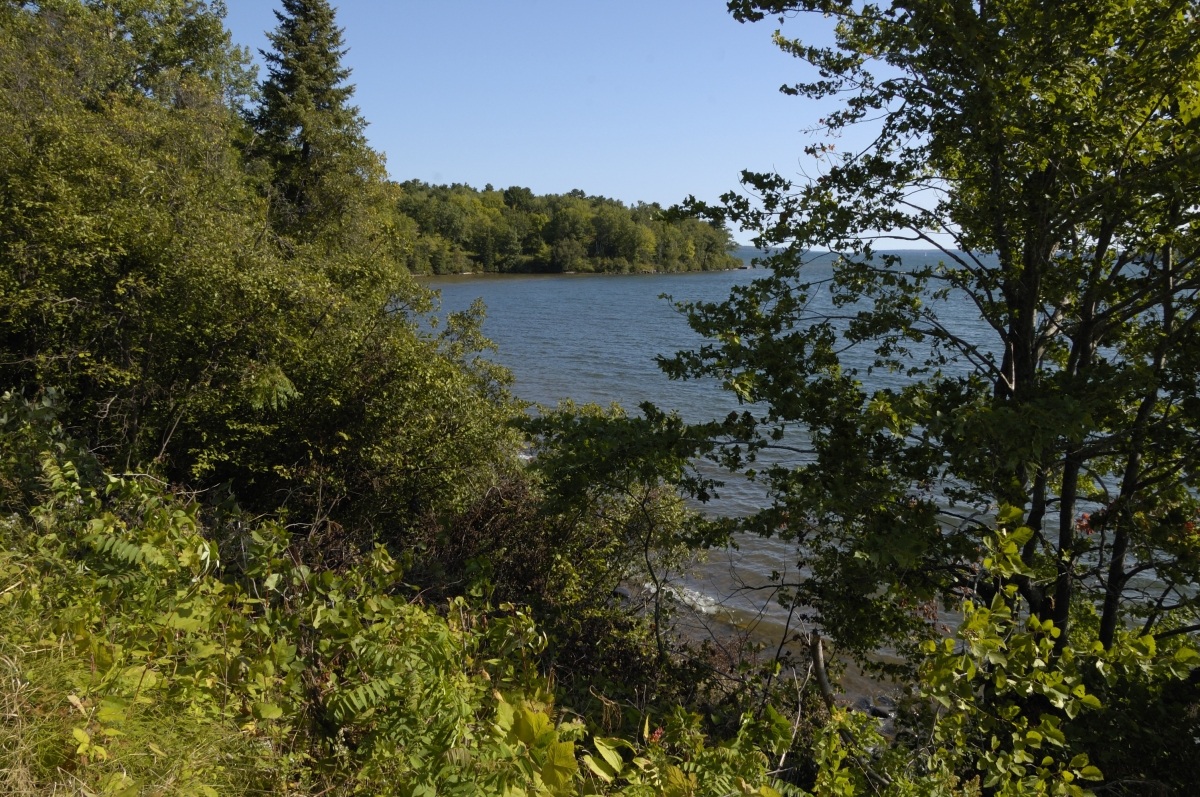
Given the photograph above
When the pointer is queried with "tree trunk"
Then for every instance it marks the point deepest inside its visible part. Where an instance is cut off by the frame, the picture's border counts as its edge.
(1116, 566)
(1063, 582)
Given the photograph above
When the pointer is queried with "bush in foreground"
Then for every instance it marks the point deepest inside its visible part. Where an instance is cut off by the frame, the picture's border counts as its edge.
(154, 643)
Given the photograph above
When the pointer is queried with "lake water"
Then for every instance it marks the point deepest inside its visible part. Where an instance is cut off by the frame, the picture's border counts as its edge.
(594, 338)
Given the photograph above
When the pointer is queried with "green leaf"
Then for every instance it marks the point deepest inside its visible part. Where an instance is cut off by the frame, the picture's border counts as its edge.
(1007, 515)
(532, 727)
(601, 769)
(1185, 655)
(678, 783)
(559, 770)
(608, 748)
(504, 716)
(1020, 536)
(562, 755)
(112, 710)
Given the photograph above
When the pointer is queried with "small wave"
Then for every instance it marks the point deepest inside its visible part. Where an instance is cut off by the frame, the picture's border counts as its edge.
(694, 600)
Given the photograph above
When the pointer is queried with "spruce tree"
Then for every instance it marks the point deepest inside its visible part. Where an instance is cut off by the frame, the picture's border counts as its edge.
(311, 135)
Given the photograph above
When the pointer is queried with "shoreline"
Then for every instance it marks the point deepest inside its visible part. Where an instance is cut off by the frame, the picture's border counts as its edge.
(582, 273)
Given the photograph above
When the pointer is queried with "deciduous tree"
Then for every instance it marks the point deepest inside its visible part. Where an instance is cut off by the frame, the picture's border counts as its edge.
(1049, 152)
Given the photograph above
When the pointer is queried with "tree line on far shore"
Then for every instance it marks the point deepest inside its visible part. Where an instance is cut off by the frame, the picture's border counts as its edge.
(460, 228)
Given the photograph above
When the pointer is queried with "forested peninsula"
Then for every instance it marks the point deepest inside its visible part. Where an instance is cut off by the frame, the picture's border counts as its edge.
(461, 229)
(273, 523)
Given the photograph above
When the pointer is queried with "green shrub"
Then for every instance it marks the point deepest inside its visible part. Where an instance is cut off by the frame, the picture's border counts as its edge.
(155, 642)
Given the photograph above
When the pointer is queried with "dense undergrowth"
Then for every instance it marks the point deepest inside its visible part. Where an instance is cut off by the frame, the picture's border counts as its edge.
(158, 641)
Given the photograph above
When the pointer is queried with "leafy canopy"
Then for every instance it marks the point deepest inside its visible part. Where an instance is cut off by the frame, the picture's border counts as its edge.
(144, 275)
(1048, 153)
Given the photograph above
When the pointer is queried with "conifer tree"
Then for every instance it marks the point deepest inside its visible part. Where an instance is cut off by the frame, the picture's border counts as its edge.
(309, 132)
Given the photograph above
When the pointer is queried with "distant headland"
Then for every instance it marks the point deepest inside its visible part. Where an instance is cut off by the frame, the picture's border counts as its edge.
(460, 229)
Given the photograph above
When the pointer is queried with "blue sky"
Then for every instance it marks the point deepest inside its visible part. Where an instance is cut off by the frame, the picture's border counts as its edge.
(650, 100)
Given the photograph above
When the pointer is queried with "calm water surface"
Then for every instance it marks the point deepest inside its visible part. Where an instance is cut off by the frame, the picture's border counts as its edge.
(594, 338)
